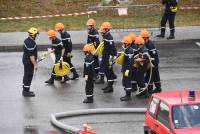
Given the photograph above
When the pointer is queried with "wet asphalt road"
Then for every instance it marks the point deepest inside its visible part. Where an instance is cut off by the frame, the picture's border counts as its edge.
(179, 69)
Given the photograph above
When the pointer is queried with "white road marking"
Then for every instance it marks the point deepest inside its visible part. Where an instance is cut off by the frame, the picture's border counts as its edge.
(197, 43)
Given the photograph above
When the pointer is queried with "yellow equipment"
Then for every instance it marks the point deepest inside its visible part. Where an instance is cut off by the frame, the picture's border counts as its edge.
(93, 48)
(100, 48)
(61, 68)
(120, 58)
(174, 9)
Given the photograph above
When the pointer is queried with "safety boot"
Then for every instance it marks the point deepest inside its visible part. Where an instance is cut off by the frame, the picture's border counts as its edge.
(28, 93)
(157, 90)
(161, 36)
(171, 37)
(75, 74)
(109, 88)
(88, 100)
(50, 81)
(127, 97)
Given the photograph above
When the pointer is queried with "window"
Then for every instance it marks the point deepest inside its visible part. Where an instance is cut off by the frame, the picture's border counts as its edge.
(163, 115)
(153, 105)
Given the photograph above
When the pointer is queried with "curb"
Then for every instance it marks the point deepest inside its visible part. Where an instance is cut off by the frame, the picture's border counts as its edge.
(43, 47)
(75, 130)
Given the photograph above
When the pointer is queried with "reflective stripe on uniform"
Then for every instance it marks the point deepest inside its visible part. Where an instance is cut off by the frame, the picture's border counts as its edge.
(101, 73)
(133, 81)
(96, 35)
(88, 63)
(108, 40)
(128, 88)
(26, 86)
(152, 49)
(57, 44)
(66, 39)
(163, 27)
(89, 95)
(29, 48)
(110, 80)
(97, 68)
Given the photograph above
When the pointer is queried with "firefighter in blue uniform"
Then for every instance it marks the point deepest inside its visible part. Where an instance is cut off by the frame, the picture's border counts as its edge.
(169, 15)
(155, 78)
(127, 67)
(93, 38)
(89, 73)
(108, 57)
(67, 44)
(141, 62)
(58, 49)
(134, 69)
(30, 61)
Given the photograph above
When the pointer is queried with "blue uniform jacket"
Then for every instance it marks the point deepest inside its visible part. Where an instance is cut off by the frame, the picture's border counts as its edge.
(93, 36)
(152, 52)
(67, 43)
(89, 66)
(128, 59)
(57, 46)
(30, 49)
(168, 4)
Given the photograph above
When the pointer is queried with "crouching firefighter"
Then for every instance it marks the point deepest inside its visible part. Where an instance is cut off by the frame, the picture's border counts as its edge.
(127, 67)
(109, 55)
(57, 48)
(30, 61)
(93, 39)
(67, 44)
(152, 76)
(141, 63)
(89, 73)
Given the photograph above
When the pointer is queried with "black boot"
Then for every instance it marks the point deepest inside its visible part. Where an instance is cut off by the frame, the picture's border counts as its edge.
(75, 74)
(157, 90)
(161, 36)
(171, 37)
(109, 89)
(50, 81)
(127, 97)
(88, 100)
(100, 80)
(150, 89)
(27, 93)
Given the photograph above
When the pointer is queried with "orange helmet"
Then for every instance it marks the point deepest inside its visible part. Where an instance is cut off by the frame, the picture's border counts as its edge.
(144, 34)
(106, 25)
(87, 48)
(91, 22)
(127, 40)
(133, 37)
(51, 33)
(139, 41)
(59, 26)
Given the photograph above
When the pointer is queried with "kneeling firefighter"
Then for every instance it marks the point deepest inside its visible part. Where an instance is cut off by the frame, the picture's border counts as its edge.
(127, 67)
(58, 49)
(108, 56)
(67, 45)
(30, 61)
(89, 73)
(155, 77)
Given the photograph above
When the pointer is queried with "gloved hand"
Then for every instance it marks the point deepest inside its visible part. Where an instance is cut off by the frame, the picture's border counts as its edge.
(126, 73)
(61, 58)
(86, 77)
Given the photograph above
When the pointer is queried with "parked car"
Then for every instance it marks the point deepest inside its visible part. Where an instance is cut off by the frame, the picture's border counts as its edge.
(175, 112)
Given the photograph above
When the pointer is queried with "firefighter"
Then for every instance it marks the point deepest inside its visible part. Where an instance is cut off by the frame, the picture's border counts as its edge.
(155, 78)
(134, 69)
(30, 61)
(89, 73)
(108, 56)
(127, 67)
(93, 38)
(169, 15)
(58, 49)
(67, 44)
(141, 62)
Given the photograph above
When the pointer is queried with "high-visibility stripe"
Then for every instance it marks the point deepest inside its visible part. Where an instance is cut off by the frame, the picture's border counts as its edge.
(110, 80)
(96, 35)
(88, 63)
(66, 39)
(30, 49)
(133, 81)
(108, 40)
(89, 95)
